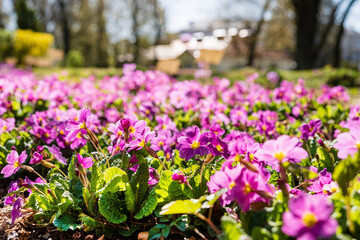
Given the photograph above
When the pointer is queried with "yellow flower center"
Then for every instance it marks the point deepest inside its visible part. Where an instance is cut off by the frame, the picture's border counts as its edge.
(82, 125)
(161, 143)
(219, 148)
(47, 135)
(279, 156)
(76, 118)
(231, 185)
(251, 157)
(309, 219)
(263, 127)
(247, 188)
(239, 113)
(147, 111)
(16, 164)
(195, 145)
(131, 129)
(62, 132)
(163, 126)
(237, 158)
(78, 135)
(358, 145)
(142, 143)
(333, 190)
(119, 133)
(4, 128)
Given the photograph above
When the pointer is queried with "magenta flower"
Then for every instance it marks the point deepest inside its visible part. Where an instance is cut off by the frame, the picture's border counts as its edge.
(55, 151)
(14, 163)
(142, 139)
(85, 162)
(15, 211)
(179, 177)
(75, 127)
(309, 130)
(226, 178)
(309, 218)
(348, 143)
(9, 200)
(283, 149)
(248, 186)
(37, 157)
(194, 143)
(218, 147)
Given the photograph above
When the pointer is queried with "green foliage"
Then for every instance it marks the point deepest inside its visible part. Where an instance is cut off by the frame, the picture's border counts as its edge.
(66, 222)
(112, 207)
(74, 59)
(346, 171)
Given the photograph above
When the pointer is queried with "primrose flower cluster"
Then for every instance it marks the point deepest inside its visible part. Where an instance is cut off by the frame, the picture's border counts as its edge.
(117, 155)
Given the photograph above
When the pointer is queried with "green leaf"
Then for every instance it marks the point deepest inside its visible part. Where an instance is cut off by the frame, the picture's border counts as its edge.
(112, 208)
(157, 231)
(231, 229)
(115, 184)
(96, 181)
(66, 222)
(346, 171)
(148, 206)
(139, 183)
(260, 233)
(110, 173)
(189, 206)
(128, 232)
(71, 168)
(89, 223)
(162, 188)
(212, 198)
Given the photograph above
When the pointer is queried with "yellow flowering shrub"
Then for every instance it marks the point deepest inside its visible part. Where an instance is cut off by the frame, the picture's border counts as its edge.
(27, 42)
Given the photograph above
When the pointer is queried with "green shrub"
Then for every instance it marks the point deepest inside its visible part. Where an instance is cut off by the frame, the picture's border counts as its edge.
(343, 76)
(6, 44)
(74, 59)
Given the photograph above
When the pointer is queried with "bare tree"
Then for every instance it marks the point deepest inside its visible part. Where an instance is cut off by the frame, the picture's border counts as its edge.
(340, 33)
(256, 33)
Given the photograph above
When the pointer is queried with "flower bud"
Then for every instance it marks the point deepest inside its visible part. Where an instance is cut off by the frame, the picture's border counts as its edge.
(47, 164)
(125, 123)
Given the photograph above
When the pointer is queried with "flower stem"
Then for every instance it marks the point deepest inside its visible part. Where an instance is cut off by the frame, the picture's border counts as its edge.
(208, 220)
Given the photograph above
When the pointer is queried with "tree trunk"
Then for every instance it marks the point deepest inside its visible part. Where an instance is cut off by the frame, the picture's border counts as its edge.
(101, 44)
(135, 29)
(306, 26)
(157, 21)
(65, 27)
(256, 33)
(337, 47)
(325, 33)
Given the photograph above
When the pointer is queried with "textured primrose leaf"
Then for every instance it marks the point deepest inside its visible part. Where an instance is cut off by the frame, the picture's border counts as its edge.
(139, 183)
(162, 187)
(89, 223)
(112, 208)
(117, 183)
(66, 222)
(71, 168)
(110, 173)
(128, 232)
(148, 206)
